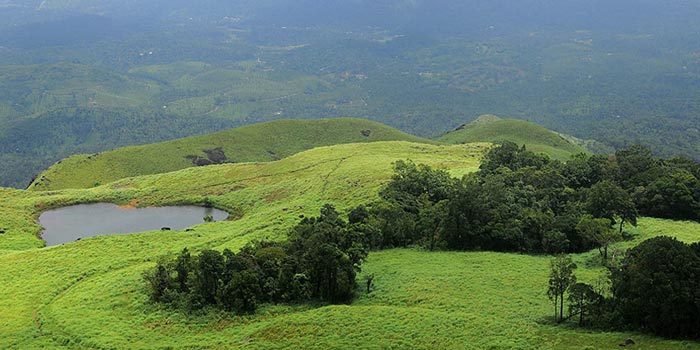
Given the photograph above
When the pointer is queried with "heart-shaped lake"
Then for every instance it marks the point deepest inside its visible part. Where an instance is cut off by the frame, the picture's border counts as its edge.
(67, 224)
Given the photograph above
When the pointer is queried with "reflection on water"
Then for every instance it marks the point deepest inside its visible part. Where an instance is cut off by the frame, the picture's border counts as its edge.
(68, 224)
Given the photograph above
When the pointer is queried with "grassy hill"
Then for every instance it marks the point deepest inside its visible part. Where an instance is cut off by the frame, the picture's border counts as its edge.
(489, 128)
(260, 142)
(88, 294)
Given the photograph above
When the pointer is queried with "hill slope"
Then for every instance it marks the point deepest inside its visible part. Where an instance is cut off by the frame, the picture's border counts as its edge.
(88, 294)
(260, 142)
(489, 128)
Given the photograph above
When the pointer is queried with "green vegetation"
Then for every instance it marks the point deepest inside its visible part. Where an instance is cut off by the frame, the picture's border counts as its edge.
(596, 72)
(653, 288)
(538, 139)
(319, 262)
(561, 280)
(269, 198)
(255, 143)
(520, 201)
(209, 72)
(88, 294)
(657, 287)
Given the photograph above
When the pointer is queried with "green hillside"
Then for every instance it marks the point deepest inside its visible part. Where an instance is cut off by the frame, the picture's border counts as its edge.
(260, 142)
(89, 294)
(36, 89)
(536, 138)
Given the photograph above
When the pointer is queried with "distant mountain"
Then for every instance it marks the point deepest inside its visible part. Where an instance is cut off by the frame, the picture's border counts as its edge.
(417, 14)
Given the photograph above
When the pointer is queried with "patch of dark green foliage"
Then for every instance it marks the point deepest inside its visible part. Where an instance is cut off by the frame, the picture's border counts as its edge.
(318, 262)
(520, 201)
(655, 288)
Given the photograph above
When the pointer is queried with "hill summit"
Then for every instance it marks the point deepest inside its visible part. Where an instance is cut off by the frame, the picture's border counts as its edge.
(491, 128)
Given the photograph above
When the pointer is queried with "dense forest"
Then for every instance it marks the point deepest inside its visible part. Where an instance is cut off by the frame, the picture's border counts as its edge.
(601, 73)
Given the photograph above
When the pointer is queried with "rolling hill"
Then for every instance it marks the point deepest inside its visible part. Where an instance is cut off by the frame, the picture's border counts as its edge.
(88, 294)
(260, 142)
(536, 138)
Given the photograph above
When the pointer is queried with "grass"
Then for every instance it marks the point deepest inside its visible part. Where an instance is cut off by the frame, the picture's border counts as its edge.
(535, 138)
(259, 142)
(88, 294)
(40, 286)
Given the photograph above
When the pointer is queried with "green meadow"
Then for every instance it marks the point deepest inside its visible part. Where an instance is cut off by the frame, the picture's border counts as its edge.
(254, 143)
(89, 294)
(278, 139)
(536, 138)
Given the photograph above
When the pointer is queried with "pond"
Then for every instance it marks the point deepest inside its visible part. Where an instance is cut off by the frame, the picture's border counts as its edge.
(69, 224)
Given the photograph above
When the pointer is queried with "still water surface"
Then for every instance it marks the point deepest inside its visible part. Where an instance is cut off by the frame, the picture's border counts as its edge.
(67, 224)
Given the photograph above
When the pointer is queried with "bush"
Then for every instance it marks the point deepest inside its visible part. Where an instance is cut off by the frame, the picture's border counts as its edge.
(320, 261)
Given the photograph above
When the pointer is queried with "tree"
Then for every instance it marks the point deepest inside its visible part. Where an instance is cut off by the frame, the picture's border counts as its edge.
(159, 281)
(242, 293)
(208, 269)
(330, 253)
(634, 163)
(411, 181)
(657, 287)
(583, 300)
(511, 156)
(397, 227)
(269, 258)
(583, 170)
(555, 242)
(561, 276)
(183, 268)
(431, 222)
(598, 231)
(675, 196)
(320, 260)
(610, 201)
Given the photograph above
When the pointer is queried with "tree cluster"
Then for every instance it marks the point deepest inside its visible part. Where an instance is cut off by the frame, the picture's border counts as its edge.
(655, 288)
(525, 202)
(319, 261)
(586, 303)
(518, 201)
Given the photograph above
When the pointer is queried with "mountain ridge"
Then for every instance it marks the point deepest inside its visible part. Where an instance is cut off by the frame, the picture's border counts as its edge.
(262, 142)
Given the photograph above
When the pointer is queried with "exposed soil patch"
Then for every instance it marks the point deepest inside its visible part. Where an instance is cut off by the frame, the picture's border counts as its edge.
(276, 195)
(214, 156)
(131, 205)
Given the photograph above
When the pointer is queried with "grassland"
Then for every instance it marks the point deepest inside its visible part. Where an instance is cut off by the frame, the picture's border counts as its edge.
(260, 142)
(536, 138)
(88, 294)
